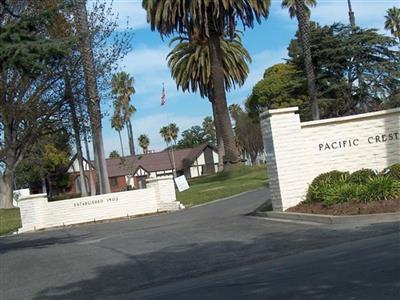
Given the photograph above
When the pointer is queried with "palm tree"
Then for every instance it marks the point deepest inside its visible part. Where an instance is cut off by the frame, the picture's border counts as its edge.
(93, 99)
(169, 133)
(235, 110)
(291, 6)
(117, 123)
(144, 142)
(392, 22)
(210, 19)
(122, 88)
(190, 66)
(299, 9)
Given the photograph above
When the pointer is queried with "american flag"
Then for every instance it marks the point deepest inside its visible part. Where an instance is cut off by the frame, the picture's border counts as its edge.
(163, 96)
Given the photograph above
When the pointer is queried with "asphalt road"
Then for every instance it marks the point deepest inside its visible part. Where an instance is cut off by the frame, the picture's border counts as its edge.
(210, 252)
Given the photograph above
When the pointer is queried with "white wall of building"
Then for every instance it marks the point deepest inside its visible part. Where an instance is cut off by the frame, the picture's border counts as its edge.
(298, 152)
(37, 212)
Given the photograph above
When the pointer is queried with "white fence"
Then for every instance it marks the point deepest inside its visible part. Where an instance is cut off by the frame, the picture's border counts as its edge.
(38, 213)
(298, 152)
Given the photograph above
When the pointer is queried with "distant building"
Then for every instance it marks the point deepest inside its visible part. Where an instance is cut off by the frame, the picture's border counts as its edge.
(134, 170)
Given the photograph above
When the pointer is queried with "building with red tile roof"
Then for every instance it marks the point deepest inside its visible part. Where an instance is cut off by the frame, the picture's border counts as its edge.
(132, 171)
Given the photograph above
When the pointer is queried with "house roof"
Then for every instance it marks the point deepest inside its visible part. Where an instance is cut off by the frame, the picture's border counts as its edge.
(152, 162)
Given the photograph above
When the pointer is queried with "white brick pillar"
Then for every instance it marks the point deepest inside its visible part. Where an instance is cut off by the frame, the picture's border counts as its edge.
(282, 138)
(164, 188)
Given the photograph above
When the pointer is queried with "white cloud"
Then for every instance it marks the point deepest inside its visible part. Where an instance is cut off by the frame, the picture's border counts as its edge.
(368, 13)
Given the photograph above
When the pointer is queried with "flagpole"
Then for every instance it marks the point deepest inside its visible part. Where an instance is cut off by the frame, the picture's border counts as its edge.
(163, 101)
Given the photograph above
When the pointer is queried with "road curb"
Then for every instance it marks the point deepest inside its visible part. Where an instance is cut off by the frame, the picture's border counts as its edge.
(329, 219)
(225, 198)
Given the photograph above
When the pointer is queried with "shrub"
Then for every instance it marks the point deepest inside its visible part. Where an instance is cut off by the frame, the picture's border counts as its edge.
(393, 171)
(362, 176)
(321, 182)
(379, 188)
(335, 192)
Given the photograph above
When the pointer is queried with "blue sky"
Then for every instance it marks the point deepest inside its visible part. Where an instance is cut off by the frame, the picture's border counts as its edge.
(266, 43)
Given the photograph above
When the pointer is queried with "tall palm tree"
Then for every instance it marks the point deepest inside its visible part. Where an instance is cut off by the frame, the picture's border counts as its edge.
(211, 19)
(122, 88)
(392, 21)
(117, 123)
(93, 99)
(235, 110)
(144, 142)
(165, 134)
(291, 6)
(299, 9)
(190, 66)
(169, 133)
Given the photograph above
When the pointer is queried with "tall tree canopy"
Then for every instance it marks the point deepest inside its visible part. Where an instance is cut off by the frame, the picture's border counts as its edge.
(210, 19)
(31, 93)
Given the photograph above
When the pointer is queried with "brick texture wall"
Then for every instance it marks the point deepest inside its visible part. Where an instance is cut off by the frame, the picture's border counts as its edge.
(38, 213)
(298, 152)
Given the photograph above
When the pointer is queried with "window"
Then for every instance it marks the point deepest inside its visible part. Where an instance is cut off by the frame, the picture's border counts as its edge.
(113, 182)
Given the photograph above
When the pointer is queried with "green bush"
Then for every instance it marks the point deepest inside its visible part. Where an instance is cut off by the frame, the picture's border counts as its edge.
(321, 182)
(393, 171)
(379, 188)
(362, 176)
(335, 192)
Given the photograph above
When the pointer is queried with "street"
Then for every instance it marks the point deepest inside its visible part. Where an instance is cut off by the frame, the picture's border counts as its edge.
(214, 251)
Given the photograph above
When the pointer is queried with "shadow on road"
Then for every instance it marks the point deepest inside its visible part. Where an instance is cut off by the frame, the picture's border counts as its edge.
(37, 243)
(194, 259)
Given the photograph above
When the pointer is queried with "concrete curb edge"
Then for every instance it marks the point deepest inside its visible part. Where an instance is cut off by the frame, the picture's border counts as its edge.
(330, 219)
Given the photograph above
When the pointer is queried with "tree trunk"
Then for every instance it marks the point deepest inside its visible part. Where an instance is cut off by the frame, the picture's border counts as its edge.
(219, 96)
(304, 29)
(220, 142)
(92, 94)
(44, 188)
(122, 146)
(131, 140)
(91, 181)
(351, 16)
(77, 134)
(6, 189)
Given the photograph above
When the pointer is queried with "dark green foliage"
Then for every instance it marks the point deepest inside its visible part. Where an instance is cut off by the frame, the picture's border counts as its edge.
(192, 137)
(393, 171)
(362, 176)
(282, 86)
(361, 186)
(323, 182)
(356, 71)
(379, 188)
(24, 46)
(334, 192)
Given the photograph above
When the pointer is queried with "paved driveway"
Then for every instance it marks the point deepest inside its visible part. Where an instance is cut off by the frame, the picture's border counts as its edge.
(119, 260)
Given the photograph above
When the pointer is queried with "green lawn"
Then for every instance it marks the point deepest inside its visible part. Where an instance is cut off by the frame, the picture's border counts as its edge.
(235, 181)
(10, 220)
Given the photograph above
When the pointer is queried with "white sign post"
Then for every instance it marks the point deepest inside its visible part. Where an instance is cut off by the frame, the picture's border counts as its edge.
(181, 183)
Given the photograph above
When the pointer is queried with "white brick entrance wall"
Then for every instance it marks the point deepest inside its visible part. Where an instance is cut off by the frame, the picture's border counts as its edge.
(298, 152)
(37, 212)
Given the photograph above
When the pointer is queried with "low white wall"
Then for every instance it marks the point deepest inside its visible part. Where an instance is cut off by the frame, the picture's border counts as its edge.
(38, 213)
(298, 152)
